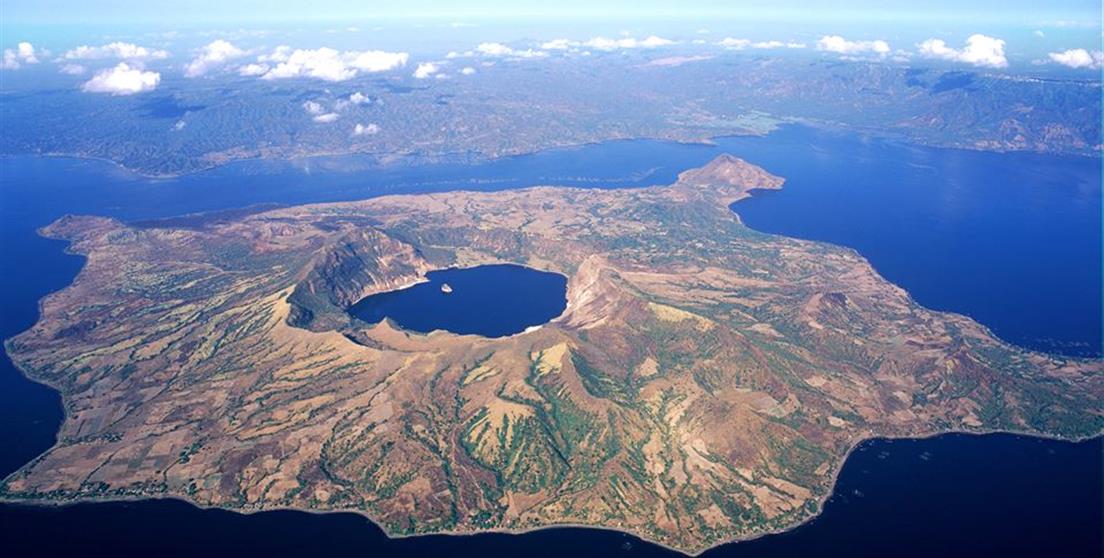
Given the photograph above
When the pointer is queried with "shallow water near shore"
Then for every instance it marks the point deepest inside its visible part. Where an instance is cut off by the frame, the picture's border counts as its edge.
(1012, 240)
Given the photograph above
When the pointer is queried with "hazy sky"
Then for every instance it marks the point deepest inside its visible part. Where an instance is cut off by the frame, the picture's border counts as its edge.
(17, 12)
(993, 34)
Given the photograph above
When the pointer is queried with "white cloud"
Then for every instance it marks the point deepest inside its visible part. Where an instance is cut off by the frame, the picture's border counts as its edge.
(369, 130)
(359, 98)
(1039, 33)
(528, 53)
(836, 43)
(494, 49)
(24, 53)
(253, 69)
(425, 70)
(180, 125)
(602, 43)
(654, 41)
(606, 44)
(122, 80)
(558, 44)
(214, 54)
(1078, 58)
(739, 44)
(118, 49)
(734, 43)
(325, 118)
(73, 69)
(468, 71)
(313, 107)
(499, 49)
(937, 48)
(378, 60)
(328, 64)
(278, 54)
(980, 50)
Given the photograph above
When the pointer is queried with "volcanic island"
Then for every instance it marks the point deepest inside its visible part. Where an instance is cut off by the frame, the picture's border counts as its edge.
(704, 383)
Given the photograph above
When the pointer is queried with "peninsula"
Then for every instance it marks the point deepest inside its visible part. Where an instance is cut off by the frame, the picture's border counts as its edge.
(704, 384)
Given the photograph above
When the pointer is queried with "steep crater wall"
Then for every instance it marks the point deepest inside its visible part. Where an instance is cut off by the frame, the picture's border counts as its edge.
(357, 264)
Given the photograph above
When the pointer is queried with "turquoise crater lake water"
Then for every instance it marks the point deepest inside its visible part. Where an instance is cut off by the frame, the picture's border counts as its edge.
(488, 300)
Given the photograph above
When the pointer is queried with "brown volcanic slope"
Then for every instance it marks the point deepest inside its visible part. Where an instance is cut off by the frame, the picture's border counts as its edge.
(704, 384)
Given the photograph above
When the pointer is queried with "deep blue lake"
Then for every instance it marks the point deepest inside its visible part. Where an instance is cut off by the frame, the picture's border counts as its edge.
(1013, 240)
(488, 300)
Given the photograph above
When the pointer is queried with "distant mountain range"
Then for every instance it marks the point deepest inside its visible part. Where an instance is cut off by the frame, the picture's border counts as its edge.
(514, 108)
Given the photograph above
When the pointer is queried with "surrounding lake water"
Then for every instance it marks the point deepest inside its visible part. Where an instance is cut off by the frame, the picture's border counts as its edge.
(488, 300)
(1012, 240)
